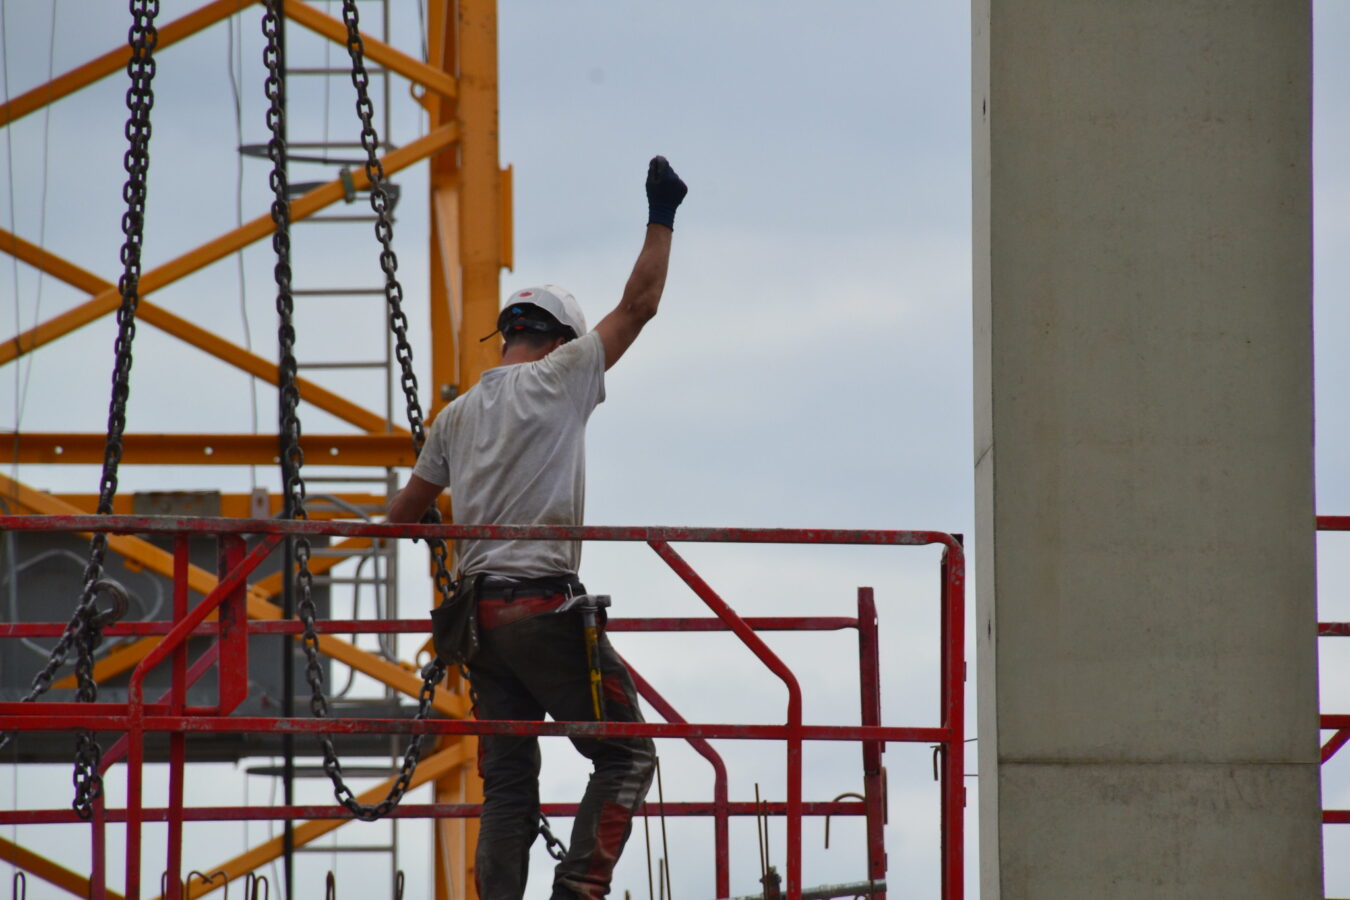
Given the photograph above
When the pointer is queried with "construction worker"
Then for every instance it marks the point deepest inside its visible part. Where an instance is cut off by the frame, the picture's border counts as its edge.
(512, 451)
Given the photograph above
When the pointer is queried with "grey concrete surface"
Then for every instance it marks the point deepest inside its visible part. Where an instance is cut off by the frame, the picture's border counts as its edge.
(1120, 831)
(1143, 373)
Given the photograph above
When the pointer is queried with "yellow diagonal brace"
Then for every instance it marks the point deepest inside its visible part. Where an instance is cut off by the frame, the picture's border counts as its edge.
(430, 768)
(378, 51)
(47, 870)
(218, 347)
(116, 60)
(127, 656)
(202, 581)
(212, 251)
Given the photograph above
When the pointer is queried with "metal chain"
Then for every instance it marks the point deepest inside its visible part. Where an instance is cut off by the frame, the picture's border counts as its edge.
(393, 291)
(381, 205)
(292, 458)
(84, 631)
(556, 848)
(140, 100)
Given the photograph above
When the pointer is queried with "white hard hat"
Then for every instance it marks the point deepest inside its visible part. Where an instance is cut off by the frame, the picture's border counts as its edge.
(557, 302)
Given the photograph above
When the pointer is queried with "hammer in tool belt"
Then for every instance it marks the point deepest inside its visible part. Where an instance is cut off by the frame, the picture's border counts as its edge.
(590, 605)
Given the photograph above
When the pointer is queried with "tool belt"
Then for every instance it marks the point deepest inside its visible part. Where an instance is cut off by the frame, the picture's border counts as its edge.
(454, 624)
(502, 603)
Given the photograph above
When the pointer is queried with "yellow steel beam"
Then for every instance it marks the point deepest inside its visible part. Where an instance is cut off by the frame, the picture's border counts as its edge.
(46, 261)
(433, 766)
(202, 581)
(219, 248)
(379, 450)
(239, 506)
(480, 207)
(218, 347)
(447, 293)
(470, 240)
(116, 60)
(508, 225)
(261, 368)
(47, 870)
(378, 51)
(446, 283)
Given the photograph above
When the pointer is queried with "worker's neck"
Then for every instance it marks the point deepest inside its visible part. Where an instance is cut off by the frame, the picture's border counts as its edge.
(523, 353)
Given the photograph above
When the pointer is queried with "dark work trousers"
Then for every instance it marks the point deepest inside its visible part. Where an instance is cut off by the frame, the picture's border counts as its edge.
(523, 670)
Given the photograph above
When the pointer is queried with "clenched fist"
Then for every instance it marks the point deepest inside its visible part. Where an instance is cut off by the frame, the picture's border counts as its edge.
(665, 190)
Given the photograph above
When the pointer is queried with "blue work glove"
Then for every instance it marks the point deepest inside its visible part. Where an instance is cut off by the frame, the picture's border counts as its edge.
(665, 190)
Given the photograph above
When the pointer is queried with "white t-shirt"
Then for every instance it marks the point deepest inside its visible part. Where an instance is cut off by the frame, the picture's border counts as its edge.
(512, 450)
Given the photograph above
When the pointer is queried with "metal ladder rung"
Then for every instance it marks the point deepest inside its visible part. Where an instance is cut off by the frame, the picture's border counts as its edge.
(340, 145)
(337, 292)
(344, 579)
(380, 364)
(346, 479)
(352, 554)
(364, 220)
(346, 848)
(320, 70)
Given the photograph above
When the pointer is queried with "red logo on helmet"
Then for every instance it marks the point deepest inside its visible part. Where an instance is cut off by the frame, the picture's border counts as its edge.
(525, 294)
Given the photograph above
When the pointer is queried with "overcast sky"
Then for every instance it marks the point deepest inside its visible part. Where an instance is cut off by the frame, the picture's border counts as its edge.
(811, 364)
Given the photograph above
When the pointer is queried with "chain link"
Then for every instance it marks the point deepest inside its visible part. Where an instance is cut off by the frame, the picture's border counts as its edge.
(84, 631)
(292, 458)
(556, 848)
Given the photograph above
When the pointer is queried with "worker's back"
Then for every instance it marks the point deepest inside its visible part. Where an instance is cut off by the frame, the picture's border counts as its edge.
(514, 449)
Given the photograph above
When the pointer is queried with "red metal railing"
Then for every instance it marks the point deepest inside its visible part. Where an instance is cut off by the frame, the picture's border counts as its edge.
(1340, 724)
(229, 653)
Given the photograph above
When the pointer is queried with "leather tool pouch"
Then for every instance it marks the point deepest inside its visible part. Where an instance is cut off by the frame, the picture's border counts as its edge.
(454, 624)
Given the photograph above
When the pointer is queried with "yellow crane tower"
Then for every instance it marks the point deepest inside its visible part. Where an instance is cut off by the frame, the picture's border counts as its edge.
(468, 212)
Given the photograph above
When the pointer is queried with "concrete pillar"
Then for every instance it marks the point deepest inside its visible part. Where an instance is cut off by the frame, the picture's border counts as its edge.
(1145, 558)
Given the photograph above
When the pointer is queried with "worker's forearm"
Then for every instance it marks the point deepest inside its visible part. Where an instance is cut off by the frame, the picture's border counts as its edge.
(642, 294)
(401, 510)
(410, 503)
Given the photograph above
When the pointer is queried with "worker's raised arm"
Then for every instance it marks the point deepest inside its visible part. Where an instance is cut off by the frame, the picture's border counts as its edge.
(642, 294)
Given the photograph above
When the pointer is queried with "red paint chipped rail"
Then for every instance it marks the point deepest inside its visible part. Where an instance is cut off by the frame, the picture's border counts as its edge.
(228, 651)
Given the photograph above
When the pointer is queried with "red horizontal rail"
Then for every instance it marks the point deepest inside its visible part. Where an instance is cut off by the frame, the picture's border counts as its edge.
(1336, 816)
(211, 526)
(423, 626)
(1333, 523)
(415, 811)
(1333, 629)
(24, 717)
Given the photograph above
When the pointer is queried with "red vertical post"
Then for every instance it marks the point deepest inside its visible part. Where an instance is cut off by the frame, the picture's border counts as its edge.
(98, 847)
(233, 628)
(874, 785)
(177, 703)
(953, 721)
(135, 761)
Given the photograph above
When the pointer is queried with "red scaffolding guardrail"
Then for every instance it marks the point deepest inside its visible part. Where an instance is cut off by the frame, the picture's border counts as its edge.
(229, 654)
(1340, 724)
